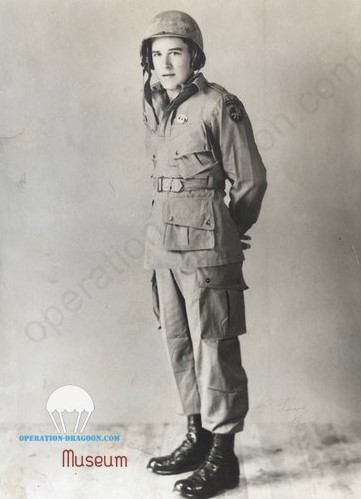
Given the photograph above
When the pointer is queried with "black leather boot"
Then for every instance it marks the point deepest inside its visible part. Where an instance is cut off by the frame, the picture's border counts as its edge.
(189, 455)
(218, 472)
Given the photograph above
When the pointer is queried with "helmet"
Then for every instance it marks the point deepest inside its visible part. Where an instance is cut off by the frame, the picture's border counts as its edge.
(177, 24)
(174, 23)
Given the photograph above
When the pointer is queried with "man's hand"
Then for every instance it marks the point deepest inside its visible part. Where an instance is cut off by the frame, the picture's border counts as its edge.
(245, 245)
(243, 237)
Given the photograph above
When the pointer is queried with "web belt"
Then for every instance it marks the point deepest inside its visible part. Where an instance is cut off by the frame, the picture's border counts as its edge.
(171, 184)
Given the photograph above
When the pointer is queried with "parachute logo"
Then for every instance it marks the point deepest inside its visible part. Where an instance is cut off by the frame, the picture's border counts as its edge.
(70, 398)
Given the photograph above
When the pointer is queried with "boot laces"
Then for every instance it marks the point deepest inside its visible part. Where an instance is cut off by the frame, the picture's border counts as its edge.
(187, 444)
(208, 469)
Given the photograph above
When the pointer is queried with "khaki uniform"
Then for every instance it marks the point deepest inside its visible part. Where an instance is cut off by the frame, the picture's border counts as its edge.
(193, 242)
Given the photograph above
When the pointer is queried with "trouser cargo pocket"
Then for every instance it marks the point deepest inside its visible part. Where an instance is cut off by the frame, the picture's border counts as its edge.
(155, 298)
(221, 302)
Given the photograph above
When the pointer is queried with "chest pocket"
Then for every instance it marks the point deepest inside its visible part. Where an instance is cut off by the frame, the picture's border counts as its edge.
(190, 150)
(189, 224)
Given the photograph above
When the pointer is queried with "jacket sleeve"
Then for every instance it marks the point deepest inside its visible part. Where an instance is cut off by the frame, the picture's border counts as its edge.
(235, 146)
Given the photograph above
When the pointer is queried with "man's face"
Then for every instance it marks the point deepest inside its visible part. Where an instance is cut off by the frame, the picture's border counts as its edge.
(172, 63)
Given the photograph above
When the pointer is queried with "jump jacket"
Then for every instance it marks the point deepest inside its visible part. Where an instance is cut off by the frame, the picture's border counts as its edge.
(195, 143)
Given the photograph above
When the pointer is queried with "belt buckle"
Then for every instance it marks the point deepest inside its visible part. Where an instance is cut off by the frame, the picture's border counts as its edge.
(160, 184)
(176, 185)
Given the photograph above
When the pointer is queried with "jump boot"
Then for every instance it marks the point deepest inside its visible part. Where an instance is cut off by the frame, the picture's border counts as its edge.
(218, 472)
(189, 455)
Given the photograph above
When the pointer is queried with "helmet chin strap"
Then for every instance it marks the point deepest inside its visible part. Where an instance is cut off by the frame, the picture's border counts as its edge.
(148, 93)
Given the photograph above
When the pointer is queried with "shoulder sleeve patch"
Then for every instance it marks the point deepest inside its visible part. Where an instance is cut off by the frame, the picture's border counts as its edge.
(236, 109)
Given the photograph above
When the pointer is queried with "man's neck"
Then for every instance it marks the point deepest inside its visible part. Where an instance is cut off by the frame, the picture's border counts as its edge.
(172, 94)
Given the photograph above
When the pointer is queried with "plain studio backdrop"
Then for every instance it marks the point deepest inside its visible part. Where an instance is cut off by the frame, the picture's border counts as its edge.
(75, 197)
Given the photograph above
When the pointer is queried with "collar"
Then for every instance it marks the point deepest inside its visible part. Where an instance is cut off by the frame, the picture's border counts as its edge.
(198, 80)
(161, 105)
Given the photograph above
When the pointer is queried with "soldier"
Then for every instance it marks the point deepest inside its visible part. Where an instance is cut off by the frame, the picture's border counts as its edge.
(199, 135)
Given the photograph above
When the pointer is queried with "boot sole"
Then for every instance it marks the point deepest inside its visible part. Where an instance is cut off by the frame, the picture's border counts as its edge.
(174, 472)
(233, 485)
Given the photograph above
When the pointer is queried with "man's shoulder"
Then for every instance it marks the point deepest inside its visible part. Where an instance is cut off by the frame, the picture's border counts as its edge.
(219, 94)
(215, 88)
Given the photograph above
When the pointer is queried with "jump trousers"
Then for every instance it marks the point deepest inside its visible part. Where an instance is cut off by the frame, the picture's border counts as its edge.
(205, 358)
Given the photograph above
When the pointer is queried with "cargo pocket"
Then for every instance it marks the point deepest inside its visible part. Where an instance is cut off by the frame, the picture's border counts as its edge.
(189, 224)
(221, 302)
(155, 297)
(191, 152)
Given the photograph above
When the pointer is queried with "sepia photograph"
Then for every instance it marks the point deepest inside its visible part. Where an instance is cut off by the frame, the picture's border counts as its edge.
(180, 248)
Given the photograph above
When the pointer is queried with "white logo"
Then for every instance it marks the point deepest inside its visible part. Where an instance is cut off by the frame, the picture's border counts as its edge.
(70, 398)
(182, 119)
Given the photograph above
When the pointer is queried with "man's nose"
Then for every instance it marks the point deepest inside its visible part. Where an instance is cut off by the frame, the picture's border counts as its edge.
(167, 62)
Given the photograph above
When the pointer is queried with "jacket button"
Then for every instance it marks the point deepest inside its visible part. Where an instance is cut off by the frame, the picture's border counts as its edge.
(154, 156)
(208, 222)
(177, 153)
(171, 218)
(208, 280)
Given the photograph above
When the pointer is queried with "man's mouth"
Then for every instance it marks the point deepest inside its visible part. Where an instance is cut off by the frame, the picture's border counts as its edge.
(168, 75)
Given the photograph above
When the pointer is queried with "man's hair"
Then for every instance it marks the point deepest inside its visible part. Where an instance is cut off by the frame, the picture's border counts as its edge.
(198, 58)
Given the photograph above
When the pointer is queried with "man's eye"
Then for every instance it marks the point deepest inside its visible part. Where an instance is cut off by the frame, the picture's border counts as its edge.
(156, 55)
